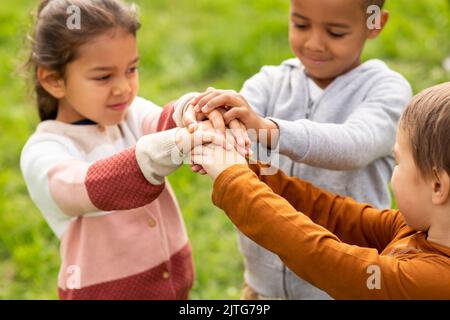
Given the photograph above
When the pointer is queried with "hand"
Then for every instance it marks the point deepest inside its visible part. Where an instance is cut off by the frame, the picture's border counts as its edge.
(235, 105)
(187, 141)
(236, 108)
(191, 118)
(215, 158)
(238, 129)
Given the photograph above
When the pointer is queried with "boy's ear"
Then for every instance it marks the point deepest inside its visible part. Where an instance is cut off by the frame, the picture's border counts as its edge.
(51, 82)
(375, 32)
(440, 187)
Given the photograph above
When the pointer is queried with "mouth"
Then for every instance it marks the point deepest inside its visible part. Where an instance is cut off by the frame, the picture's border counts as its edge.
(315, 60)
(118, 106)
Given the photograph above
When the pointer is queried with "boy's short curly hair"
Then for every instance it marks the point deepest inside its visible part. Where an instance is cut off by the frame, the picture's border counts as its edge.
(426, 121)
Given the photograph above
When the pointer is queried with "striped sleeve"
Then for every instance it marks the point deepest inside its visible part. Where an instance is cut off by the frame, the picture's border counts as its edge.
(59, 180)
(151, 118)
(56, 178)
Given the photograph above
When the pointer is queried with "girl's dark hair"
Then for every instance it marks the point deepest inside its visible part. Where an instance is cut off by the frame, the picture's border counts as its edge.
(55, 42)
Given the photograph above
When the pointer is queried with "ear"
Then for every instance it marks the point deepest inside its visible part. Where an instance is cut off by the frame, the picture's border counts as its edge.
(52, 82)
(375, 32)
(440, 187)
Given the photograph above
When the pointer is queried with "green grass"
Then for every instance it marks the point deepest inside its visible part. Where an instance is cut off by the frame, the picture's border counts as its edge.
(185, 45)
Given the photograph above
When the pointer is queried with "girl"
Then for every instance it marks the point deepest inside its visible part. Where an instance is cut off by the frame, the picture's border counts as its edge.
(95, 166)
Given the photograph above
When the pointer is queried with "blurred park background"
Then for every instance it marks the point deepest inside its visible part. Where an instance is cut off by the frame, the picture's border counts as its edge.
(185, 45)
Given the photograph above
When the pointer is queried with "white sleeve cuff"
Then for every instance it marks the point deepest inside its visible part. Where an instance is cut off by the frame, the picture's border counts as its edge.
(158, 156)
(180, 107)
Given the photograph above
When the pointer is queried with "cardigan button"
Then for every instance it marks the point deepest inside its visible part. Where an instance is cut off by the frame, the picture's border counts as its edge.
(166, 275)
(151, 222)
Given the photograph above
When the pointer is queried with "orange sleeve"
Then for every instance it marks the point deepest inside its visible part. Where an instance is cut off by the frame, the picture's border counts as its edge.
(352, 222)
(278, 213)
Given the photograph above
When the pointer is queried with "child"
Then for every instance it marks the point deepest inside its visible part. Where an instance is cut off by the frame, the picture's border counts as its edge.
(336, 116)
(95, 166)
(349, 249)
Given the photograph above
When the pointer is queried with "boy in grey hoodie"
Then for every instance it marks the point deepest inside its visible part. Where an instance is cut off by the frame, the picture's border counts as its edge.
(332, 117)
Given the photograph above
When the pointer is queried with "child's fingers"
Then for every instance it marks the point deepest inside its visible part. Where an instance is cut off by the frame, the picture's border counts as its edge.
(189, 117)
(205, 99)
(217, 120)
(205, 137)
(196, 167)
(200, 155)
(238, 135)
(226, 98)
(234, 113)
(201, 95)
(247, 139)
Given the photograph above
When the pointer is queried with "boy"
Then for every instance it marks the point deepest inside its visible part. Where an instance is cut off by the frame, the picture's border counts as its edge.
(349, 249)
(336, 118)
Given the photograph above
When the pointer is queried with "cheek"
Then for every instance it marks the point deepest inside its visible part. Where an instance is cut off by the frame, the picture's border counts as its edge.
(135, 84)
(394, 182)
(295, 39)
(346, 50)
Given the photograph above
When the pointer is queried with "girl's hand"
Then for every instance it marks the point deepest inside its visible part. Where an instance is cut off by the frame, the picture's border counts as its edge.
(234, 104)
(215, 159)
(192, 118)
(187, 141)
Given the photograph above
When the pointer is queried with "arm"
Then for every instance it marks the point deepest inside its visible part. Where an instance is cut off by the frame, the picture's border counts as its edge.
(151, 118)
(57, 178)
(352, 222)
(54, 175)
(313, 252)
(367, 134)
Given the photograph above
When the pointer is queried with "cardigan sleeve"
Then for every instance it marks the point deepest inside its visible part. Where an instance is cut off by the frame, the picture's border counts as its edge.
(313, 252)
(119, 182)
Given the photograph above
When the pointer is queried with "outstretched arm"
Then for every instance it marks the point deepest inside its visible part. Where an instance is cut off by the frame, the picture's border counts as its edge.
(309, 248)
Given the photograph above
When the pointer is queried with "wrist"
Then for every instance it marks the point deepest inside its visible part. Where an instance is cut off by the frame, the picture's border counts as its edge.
(268, 132)
(183, 140)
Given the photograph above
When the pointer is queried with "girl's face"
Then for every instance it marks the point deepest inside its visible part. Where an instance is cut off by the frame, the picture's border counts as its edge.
(103, 81)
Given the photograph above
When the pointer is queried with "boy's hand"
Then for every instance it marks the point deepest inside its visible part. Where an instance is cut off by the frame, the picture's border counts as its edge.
(206, 133)
(233, 106)
(192, 118)
(215, 159)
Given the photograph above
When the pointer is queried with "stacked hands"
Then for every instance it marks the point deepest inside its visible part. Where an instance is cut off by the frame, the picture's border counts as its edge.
(215, 131)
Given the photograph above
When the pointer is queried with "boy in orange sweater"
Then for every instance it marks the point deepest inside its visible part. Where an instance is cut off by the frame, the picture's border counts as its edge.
(348, 249)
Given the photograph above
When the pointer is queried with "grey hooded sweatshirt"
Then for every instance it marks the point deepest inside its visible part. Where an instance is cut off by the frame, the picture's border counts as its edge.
(342, 142)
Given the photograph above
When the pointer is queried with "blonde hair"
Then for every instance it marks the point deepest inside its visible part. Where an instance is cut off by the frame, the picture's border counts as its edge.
(426, 120)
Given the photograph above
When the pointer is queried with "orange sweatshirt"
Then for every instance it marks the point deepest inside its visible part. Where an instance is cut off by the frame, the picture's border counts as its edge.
(348, 249)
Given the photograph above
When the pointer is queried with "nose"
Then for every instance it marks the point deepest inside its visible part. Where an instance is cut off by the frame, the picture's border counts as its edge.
(314, 42)
(121, 87)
